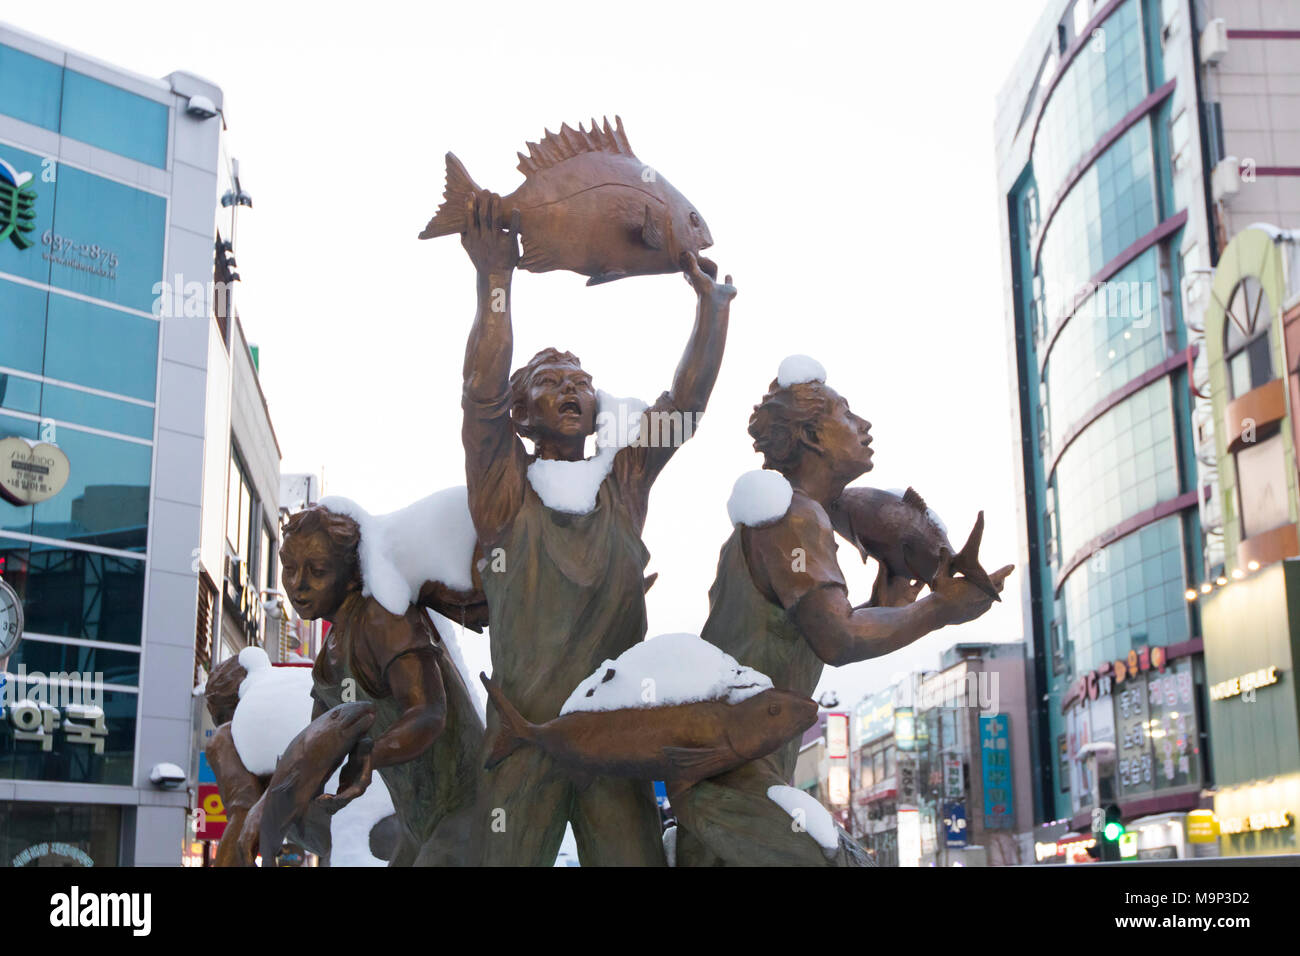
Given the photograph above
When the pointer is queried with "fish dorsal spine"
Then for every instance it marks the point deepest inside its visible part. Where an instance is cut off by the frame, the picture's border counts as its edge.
(555, 148)
(915, 500)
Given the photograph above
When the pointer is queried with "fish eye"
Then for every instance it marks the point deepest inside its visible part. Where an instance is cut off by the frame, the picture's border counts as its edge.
(695, 218)
(774, 709)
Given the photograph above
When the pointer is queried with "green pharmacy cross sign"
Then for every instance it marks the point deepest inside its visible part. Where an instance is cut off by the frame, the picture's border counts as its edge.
(17, 206)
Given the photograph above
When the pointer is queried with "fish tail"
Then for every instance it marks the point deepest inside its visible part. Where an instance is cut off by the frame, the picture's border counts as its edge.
(514, 730)
(967, 561)
(450, 217)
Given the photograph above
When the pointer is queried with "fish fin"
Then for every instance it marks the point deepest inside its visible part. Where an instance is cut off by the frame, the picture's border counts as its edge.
(651, 234)
(515, 730)
(537, 256)
(555, 148)
(450, 217)
(967, 561)
(915, 500)
(277, 815)
(699, 763)
(605, 277)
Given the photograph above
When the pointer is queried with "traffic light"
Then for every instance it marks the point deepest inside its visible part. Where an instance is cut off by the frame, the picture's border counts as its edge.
(1112, 830)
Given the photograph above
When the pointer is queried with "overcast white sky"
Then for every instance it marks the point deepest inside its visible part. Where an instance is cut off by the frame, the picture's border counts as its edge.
(842, 155)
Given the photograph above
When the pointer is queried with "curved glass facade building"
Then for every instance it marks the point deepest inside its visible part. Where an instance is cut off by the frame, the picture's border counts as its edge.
(1094, 233)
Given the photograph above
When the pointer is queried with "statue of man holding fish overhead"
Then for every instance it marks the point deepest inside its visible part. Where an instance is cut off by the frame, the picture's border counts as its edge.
(570, 592)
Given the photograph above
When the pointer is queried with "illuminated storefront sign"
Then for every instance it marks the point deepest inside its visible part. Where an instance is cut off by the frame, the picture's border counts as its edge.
(1244, 683)
(1263, 820)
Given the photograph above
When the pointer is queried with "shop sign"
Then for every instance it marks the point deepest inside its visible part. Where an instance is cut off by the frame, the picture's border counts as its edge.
(31, 472)
(1202, 826)
(952, 777)
(995, 760)
(1244, 684)
(17, 206)
(837, 736)
(954, 824)
(1157, 746)
(1264, 820)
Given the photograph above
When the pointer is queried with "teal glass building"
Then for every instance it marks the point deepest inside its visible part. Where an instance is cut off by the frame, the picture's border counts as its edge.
(119, 175)
(1104, 213)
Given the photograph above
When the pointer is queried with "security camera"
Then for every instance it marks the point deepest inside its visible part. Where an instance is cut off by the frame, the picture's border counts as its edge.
(167, 776)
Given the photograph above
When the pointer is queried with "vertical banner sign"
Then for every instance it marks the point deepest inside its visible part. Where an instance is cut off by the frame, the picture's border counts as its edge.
(907, 783)
(952, 777)
(954, 824)
(995, 757)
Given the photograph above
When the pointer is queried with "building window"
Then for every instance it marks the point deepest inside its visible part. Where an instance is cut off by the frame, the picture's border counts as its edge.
(1180, 145)
(1246, 338)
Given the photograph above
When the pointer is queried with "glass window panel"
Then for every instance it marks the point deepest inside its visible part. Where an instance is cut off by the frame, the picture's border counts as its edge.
(1102, 83)
(106, 499)
(22, 326)
(15, 517)
(19, 394)
(30, 88)
(112, 118)
(71, 593)
(71, 405)
(1102, 629)
(31, 832)
(1094, 491)
(102, 348)
(69, 760)
(47, 657)
(107, 240)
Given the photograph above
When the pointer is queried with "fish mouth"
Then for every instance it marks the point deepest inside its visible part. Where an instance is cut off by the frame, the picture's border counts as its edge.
(707, 266)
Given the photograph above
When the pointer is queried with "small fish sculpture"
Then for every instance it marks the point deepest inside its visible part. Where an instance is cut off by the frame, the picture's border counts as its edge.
(906, 536)
(590, 206)
(301, 774)
(681, 743)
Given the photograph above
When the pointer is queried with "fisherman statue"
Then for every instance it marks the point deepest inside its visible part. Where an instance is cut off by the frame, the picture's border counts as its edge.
(779, 604)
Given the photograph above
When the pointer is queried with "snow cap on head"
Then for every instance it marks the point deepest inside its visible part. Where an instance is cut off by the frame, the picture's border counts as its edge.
(798, 369)
(394, 551)
(254, 661)
(759, 498)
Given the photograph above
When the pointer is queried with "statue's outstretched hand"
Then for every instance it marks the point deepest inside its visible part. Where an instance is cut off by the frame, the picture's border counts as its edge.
(354, 779)
(894, 590)
(491, 236)
(961, 600)
(705, 286)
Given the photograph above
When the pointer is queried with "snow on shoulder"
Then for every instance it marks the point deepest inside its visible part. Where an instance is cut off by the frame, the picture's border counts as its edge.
(430, 540)
(798, 369)
(571, 486)
(808, 813)
(759, 498)
(274, 706)
(663, 671)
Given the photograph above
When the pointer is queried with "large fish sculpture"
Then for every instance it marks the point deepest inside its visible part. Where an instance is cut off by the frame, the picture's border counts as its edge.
(679, 743)
(906, 536)
(301, 774)
(590, 206)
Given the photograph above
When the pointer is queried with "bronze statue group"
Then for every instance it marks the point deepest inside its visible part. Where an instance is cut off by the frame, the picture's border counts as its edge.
(567, 595)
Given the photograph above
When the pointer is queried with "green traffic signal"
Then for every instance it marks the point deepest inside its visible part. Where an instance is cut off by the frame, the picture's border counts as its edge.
(1113, 831)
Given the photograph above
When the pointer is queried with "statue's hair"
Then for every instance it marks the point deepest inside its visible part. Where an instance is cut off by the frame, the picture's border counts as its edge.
(783, 419)
(343, 534)
(522, 380)
(221, 693)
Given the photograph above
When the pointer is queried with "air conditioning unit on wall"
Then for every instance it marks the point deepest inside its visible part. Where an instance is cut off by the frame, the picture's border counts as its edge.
(1225, 181)
(1214, 41)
